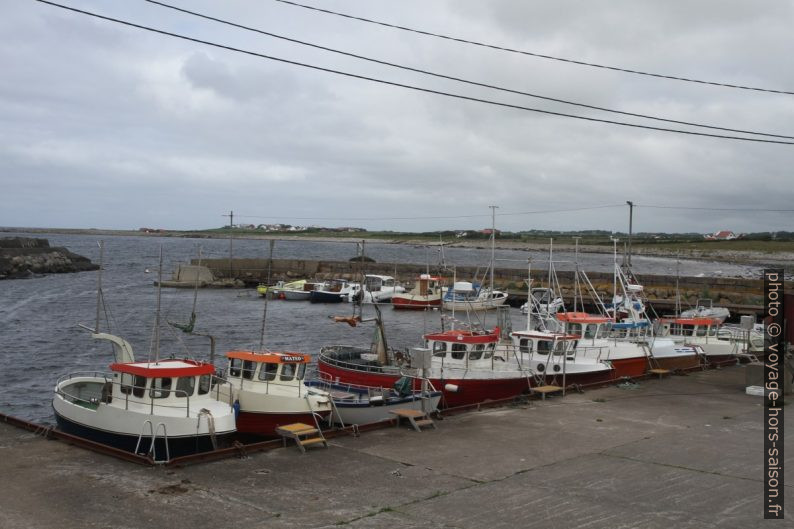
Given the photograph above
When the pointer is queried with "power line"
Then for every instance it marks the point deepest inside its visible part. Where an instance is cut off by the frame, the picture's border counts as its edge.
(698, 208)
(532, 54)
(458, 79)
(442, 217)
(402, 85)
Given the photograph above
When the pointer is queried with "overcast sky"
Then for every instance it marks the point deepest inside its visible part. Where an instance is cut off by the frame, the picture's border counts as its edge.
(108, 126)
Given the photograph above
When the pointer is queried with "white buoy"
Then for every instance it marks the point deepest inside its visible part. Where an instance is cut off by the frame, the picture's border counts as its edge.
(452, 388)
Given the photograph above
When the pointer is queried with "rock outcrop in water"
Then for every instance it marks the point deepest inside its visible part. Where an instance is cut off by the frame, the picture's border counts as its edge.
(22, 257)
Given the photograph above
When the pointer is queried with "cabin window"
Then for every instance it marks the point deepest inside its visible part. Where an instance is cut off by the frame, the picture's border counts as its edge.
(287, 371)
(126, 383)
(161, 388)
(440, 349)
(234, 367)
(574, 328)
(476, 351)
(560, 347)
(268, 371)
(701, 330)
(458, 351)
(248, 369)
(489, 349)
(205, 384)
(185, 386)
(712, 330)
(301, 371)
(544, 347)
(591, 331)
(525, 346)
(138, 386)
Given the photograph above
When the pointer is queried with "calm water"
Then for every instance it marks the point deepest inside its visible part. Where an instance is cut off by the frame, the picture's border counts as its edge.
(39, 316)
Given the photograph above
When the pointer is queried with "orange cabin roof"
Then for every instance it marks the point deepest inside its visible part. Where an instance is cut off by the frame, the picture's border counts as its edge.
(280, 357)
(165, 368)
(581, 317)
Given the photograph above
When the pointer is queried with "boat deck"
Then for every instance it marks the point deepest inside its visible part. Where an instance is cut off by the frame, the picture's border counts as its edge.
(685, 451)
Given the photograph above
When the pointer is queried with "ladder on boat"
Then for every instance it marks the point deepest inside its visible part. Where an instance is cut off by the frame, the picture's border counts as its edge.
(153, 434)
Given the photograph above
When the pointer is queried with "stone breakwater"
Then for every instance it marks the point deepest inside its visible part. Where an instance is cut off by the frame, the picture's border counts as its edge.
(736, 293)
(22, 257)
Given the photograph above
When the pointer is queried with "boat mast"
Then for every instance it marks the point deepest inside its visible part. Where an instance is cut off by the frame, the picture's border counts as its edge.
(267, 295)
(577, 289)
(157, 315)
(493, 243)
(529, 293)
(677, 291)
(615, 279)
(99, 284)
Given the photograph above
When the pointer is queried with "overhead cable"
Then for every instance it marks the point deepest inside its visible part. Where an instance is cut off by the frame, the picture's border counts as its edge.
(407, 86)
(533, 54)
(458, 79)
(535, 212)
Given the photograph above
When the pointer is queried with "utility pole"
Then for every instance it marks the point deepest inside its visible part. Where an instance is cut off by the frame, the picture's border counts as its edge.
(231, 238)
(631, 219)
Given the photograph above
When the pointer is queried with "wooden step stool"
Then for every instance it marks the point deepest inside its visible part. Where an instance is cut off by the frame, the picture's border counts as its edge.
(304, 435)
(417, 418)
(544, 390)
(659, 371)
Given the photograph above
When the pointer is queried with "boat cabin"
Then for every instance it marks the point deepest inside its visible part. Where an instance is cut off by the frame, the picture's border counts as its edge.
(167, 382)
(249, 368)
(544, 343)
(376, 283)
(689, 327)
(587, 326)
(461, 348)
(426, 285)
(334, 285)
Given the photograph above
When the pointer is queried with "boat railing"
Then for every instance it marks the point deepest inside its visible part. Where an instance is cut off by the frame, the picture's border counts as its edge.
(326, 381)
(107, 393)
(351, 365)
(595, 352)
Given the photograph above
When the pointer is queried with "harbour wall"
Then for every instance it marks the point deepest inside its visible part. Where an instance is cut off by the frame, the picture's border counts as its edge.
(741, 296)
(24, 257)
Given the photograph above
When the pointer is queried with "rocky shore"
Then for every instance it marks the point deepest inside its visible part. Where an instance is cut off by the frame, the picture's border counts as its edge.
(22, 257)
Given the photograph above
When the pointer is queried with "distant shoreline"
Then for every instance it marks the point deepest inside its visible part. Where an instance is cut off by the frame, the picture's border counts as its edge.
(764, 255)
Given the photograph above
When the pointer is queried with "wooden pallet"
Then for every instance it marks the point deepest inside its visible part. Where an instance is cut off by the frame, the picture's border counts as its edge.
(303, 434)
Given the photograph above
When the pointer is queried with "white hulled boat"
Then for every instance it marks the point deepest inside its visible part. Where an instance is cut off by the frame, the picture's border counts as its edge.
(269, 389)
(170, 402)
(425, 294)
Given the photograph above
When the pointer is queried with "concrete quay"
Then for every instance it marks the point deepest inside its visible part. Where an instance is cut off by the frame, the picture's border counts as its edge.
(682, 452)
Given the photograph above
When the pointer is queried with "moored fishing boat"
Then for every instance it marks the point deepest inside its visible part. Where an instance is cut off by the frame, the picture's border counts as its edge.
(425, 294)
(704, 308)
(295, 290)
(463, 296)
(703, 332)
(332, 291)
(357, 404)
(374, 289)
(553, 358)
(627, 358)
(166, 408)
(465, 366)
(268, 388)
